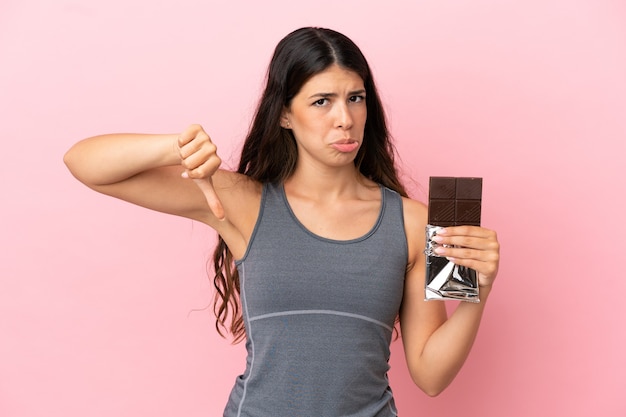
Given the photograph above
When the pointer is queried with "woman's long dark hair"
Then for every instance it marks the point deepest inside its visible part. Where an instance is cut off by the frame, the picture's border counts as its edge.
(269, 152)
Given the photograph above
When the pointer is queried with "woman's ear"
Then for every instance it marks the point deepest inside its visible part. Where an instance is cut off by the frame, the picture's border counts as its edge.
(284, 119)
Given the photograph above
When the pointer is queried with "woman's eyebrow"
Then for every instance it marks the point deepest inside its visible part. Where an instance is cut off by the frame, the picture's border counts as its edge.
(330, 95)
(357, 92)
(323, 95)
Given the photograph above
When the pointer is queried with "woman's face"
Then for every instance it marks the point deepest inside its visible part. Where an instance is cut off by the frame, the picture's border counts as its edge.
(327, 117)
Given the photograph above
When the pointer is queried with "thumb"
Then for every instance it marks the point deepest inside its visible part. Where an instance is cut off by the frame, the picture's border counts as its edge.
(206, 186)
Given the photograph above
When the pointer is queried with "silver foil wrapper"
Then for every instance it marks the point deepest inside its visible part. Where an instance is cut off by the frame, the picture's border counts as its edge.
(444, 279)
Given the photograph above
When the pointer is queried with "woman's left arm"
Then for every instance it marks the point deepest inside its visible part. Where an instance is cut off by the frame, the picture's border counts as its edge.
(436, 346)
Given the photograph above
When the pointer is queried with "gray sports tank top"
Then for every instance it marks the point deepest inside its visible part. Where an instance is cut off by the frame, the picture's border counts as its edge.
(319, 315)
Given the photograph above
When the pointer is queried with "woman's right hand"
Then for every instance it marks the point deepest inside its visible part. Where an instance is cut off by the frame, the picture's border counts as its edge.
(198, 155)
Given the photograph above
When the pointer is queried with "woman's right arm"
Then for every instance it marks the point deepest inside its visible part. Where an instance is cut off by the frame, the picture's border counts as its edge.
(175, 174)
(147, 170)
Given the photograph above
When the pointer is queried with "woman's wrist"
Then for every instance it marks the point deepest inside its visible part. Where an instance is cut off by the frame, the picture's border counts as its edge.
(171, 155)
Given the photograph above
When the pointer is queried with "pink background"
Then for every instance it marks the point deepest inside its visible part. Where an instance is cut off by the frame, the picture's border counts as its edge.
(102, 304)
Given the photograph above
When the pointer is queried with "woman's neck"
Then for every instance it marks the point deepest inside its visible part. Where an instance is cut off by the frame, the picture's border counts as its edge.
(337, 183)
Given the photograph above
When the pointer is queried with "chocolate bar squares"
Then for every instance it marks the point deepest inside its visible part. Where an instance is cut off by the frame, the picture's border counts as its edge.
(454, 201)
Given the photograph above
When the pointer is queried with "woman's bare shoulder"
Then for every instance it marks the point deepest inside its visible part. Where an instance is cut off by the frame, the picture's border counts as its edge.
(230, 181)
(240, 194)
(415, 213)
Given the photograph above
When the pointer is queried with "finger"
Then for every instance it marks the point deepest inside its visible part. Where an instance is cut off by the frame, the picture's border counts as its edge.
(474, 231)
(468, 254)
(200, 156)
(201, 141)
(189, 134)
(215, 205)
(467, 236)
(481, 244)
(206, 169)
(460, 253)
(203, 157)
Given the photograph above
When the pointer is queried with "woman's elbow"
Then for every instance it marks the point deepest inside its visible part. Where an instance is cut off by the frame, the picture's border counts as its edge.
(433, 392)
(430, 386)
(71, 161)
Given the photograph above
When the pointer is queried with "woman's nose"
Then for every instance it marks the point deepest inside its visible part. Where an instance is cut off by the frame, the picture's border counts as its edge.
(344, 116)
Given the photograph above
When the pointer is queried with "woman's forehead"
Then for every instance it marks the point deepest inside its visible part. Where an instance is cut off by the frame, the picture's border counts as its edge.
(333, 78)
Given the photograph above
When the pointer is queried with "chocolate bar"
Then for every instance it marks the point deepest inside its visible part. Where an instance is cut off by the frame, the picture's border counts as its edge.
(454, 201)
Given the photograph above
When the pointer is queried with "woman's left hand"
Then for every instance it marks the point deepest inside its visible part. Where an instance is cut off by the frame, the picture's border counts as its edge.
(471, 246)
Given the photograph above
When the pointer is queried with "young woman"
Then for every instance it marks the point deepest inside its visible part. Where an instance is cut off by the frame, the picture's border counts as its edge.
(320, 249)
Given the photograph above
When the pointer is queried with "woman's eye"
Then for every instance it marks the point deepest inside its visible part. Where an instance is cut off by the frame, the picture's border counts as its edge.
(320, 102)
(356, 99)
